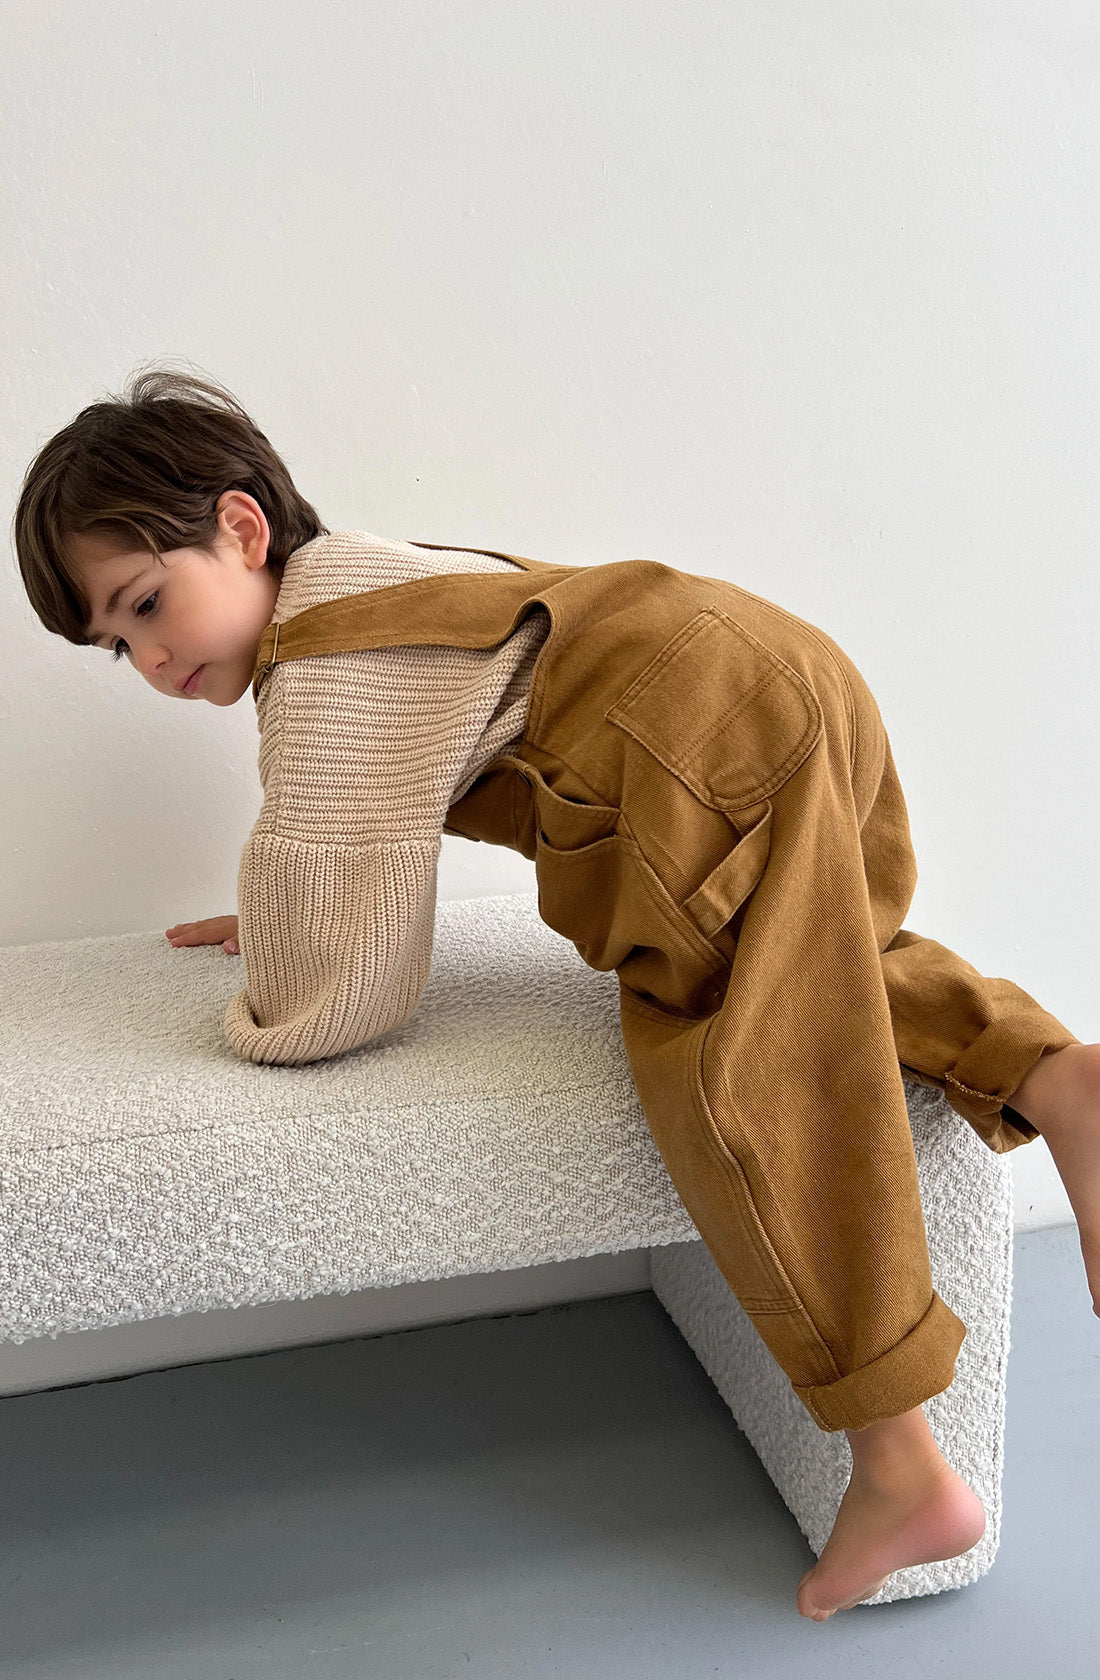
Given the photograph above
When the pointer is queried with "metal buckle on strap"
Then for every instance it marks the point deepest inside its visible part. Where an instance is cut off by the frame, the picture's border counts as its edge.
(266, 668)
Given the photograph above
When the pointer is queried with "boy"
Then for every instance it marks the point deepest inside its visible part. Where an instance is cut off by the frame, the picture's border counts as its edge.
(706, 788)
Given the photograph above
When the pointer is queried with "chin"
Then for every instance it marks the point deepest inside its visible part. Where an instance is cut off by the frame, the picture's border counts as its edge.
(229, 696)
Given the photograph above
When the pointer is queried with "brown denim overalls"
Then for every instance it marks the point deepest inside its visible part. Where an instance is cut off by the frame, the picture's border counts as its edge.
(707, 791)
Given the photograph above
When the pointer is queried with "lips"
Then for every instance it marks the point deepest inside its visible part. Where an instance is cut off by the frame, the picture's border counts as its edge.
(192, 682)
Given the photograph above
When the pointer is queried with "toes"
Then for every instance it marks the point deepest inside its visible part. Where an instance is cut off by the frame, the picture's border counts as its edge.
(805, 1602)
(809, 1608)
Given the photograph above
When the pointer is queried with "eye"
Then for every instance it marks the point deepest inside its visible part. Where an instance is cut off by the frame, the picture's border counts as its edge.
(122, 647)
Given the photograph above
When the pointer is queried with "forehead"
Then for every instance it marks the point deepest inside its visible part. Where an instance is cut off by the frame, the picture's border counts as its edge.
(93, 553)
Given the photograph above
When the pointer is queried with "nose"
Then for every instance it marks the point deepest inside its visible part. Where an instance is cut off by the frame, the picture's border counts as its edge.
(153, 664)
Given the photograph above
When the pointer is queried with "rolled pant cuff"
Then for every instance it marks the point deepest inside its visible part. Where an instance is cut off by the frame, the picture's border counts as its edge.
(994, 1066)
(913, 1370)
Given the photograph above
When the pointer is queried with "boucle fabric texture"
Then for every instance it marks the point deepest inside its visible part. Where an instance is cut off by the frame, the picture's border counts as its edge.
(360, 756)
(146, 1170)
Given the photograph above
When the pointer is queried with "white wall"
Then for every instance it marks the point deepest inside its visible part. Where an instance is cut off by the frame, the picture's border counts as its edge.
(802, 295)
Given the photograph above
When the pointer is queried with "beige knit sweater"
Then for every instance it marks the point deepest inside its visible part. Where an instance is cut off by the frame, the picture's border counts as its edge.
(360, 756)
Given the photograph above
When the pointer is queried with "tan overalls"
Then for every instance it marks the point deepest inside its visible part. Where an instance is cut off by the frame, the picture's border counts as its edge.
(708, 794)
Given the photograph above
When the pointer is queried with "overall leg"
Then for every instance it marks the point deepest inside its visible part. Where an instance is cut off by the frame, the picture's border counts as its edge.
(782, 1116)
(783, 1122)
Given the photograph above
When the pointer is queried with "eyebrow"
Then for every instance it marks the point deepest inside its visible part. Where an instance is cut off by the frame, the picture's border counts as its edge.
(113, 603)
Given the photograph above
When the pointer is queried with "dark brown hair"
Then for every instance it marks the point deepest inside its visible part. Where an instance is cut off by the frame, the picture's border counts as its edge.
(145, 470)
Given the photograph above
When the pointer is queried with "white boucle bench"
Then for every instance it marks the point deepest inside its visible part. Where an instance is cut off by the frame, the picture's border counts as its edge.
(146, 1171)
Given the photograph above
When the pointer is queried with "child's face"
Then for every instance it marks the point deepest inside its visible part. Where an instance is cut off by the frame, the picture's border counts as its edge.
(190, 609)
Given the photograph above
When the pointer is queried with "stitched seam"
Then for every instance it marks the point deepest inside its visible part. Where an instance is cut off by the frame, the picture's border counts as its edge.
(597, 801)
(727, 717)
(692, 629)
(812, 630)
(618, 713)
(757, 792)
(986, 1096)
(777, 669)
(795, 1310)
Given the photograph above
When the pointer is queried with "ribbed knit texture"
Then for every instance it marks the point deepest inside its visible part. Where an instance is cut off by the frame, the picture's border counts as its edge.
(361, 754)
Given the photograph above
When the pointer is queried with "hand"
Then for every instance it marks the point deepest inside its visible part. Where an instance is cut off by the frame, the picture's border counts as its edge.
(221, 929)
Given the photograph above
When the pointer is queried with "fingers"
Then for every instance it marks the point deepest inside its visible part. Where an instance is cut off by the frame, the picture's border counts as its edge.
(218, 930)
(187, 933)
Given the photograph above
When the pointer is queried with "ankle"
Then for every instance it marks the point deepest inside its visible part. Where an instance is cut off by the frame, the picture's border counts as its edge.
(897, 1451)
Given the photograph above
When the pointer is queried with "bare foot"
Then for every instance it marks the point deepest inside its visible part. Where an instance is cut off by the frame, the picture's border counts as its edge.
(904, 1505)
(1061, 1098)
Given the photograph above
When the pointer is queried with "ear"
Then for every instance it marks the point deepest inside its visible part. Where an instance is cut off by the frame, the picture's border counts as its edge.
(241, 521)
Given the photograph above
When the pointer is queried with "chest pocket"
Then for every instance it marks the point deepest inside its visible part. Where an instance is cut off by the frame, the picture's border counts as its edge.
(726, 715)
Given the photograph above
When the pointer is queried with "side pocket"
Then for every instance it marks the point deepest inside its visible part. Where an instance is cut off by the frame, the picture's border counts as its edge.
(607, 899)
(726, 715)
(729, 884)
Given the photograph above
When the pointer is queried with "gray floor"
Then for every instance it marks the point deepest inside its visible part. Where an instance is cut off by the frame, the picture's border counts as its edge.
(560, 1493)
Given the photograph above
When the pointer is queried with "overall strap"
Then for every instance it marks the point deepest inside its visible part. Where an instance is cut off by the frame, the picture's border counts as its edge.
(493, 553)
(448, 609)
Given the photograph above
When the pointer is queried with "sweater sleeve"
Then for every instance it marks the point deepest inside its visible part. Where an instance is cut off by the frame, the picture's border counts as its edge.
(336, 942)
(361, 755)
